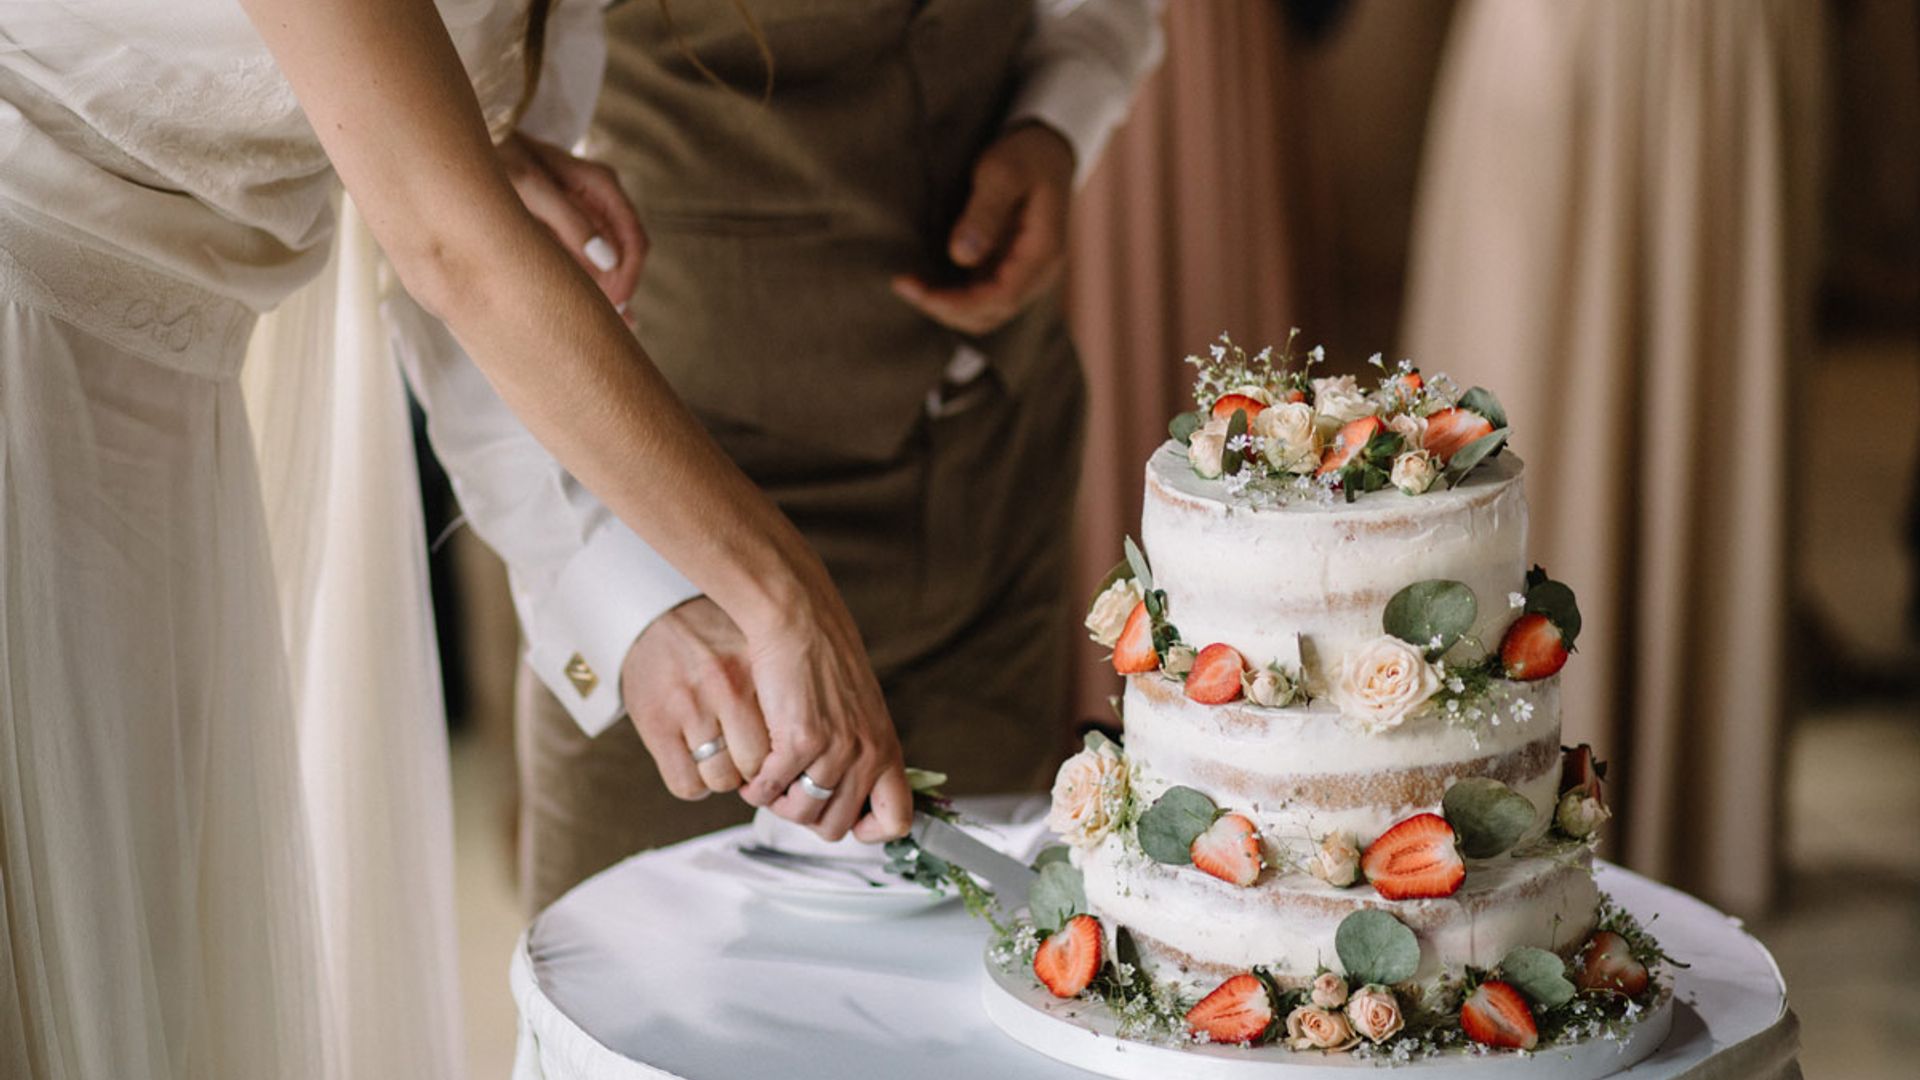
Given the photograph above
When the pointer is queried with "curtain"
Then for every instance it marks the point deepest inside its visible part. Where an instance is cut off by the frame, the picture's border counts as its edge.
(1179, 234)
(1615, 233)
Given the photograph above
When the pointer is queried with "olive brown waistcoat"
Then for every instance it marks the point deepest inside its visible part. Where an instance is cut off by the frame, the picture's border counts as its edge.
(776, 224)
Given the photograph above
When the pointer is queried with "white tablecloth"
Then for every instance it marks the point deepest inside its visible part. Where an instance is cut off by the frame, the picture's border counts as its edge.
(657, 968)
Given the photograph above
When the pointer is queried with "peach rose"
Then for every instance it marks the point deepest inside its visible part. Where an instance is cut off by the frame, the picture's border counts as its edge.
(1579, 814)
(1290, 440)
(1415, 471)
(1206, 447)
(1375, 1013)
(1310, 1027)
(1337, 860)
(1411, 429)
(1272, 688)
(1087, 795)
(1339, 399)
(1383, 682)
(1108, 615)
(1329, 990)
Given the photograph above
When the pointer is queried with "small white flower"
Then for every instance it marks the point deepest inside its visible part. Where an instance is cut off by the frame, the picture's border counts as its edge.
(1516, 601)
(1434, 642)
(1457, 685)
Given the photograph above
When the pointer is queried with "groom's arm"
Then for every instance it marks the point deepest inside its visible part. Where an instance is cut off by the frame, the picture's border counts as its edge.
(1082, 66)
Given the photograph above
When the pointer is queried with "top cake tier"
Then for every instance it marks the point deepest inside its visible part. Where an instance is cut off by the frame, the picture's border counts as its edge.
(1255, 576)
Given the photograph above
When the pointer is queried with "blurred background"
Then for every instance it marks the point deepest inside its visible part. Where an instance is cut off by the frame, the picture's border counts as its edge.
(1682, 241)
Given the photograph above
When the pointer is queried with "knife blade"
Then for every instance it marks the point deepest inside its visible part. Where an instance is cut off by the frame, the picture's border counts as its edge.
(1010, 878)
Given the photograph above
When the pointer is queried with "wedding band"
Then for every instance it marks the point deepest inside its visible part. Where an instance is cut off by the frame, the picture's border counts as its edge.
(709, 748)
(812, 789)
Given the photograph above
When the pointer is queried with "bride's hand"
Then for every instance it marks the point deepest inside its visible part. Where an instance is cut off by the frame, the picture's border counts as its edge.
(825, 717)
(582, 204)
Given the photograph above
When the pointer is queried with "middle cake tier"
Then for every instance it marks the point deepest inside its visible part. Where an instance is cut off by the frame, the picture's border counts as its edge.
(1304, 772)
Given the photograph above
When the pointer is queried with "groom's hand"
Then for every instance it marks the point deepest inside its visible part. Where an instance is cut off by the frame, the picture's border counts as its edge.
(582, 203)
(1011, 238)
(687, 681)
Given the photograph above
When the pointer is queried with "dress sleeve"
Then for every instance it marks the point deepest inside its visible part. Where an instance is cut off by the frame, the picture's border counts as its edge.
(1081, 68)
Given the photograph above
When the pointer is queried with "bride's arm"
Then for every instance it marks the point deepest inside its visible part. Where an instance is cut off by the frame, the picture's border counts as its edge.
(385, 91)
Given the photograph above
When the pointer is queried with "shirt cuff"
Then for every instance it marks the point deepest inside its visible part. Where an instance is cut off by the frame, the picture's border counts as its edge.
(578, 634)
(1083, 100)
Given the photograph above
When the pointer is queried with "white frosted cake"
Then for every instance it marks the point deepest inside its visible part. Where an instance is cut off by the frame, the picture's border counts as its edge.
(1340, 816)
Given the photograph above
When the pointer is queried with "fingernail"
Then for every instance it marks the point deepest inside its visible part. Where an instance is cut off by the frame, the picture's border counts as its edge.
(601, 254)
(967, 246)
(620, 308)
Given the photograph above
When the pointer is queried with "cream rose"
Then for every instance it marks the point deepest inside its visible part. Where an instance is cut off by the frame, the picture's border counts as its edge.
(1579, 814)
(1383, 682)
(1337, 860)
(1411, 429)
(1108, 616)
(1290, 440)
(1339, 399)
(1179, 660)
(1375, 1013)
(1329, 990)
(1206, 447)
(1087, 794)
(1415, 471)
(1271, 688)
(1310, 1027)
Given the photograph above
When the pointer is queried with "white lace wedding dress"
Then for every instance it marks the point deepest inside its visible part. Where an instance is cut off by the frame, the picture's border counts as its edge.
(224, 832)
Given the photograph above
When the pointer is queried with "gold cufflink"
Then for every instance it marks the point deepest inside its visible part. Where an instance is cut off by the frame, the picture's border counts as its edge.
(581, 675)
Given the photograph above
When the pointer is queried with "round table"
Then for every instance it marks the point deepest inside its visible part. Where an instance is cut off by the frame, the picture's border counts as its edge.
(658, 968)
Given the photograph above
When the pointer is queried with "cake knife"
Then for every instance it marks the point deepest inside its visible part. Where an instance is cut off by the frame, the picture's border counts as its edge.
(1011, 879)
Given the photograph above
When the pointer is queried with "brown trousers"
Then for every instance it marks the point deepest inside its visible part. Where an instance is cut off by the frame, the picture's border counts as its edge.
(953, 559)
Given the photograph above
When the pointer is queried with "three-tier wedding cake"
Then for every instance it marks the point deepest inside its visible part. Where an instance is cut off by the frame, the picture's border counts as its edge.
(1341, 817)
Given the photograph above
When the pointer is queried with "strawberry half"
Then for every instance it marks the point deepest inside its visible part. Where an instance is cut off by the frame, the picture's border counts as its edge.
(1410, 381)
(1533, 648)
(1215, 676)
(1607, 963)
(1295, 396)
(1240, 1010)
(1347, 445)
(1579, 769)
(1450, 429)
(1229, 850)
(1415, 859)
(1498, 1015)
(1067, 962)
(1133, 653)
(1227, 404)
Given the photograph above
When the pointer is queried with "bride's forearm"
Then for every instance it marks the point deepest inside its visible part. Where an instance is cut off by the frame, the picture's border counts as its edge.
(390, 100)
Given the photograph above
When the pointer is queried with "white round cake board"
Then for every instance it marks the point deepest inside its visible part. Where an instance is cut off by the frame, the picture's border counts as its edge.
(1081, 1033)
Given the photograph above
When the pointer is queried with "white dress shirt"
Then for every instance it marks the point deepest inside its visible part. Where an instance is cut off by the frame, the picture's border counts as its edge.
(584, 585)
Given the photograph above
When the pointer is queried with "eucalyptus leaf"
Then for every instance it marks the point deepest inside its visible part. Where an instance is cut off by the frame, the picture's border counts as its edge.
(1232, 458)
(1136, 559)
(1555, 600)
(1538, 974)
(1058, 894)
(1121, 571)
(1052, 853)
(1183, 426)
(1487, 816)
(1481, 400)
(1468, 457)
(1375, 947)
(1125, 950)
(1095, 739)
(1169, 827)
(1426, 610)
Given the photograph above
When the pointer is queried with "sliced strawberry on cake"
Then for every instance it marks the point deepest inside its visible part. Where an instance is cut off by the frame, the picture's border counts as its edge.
(1533, 648)
(1414, 859)
(1229, 850)
(1448, 430)
(1215, 677)
(1607, 963)
(1240, 1010)
(1069, 959)
(1133, 653)
(1498, 1015)
(1228, 404)
(1347, 445)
